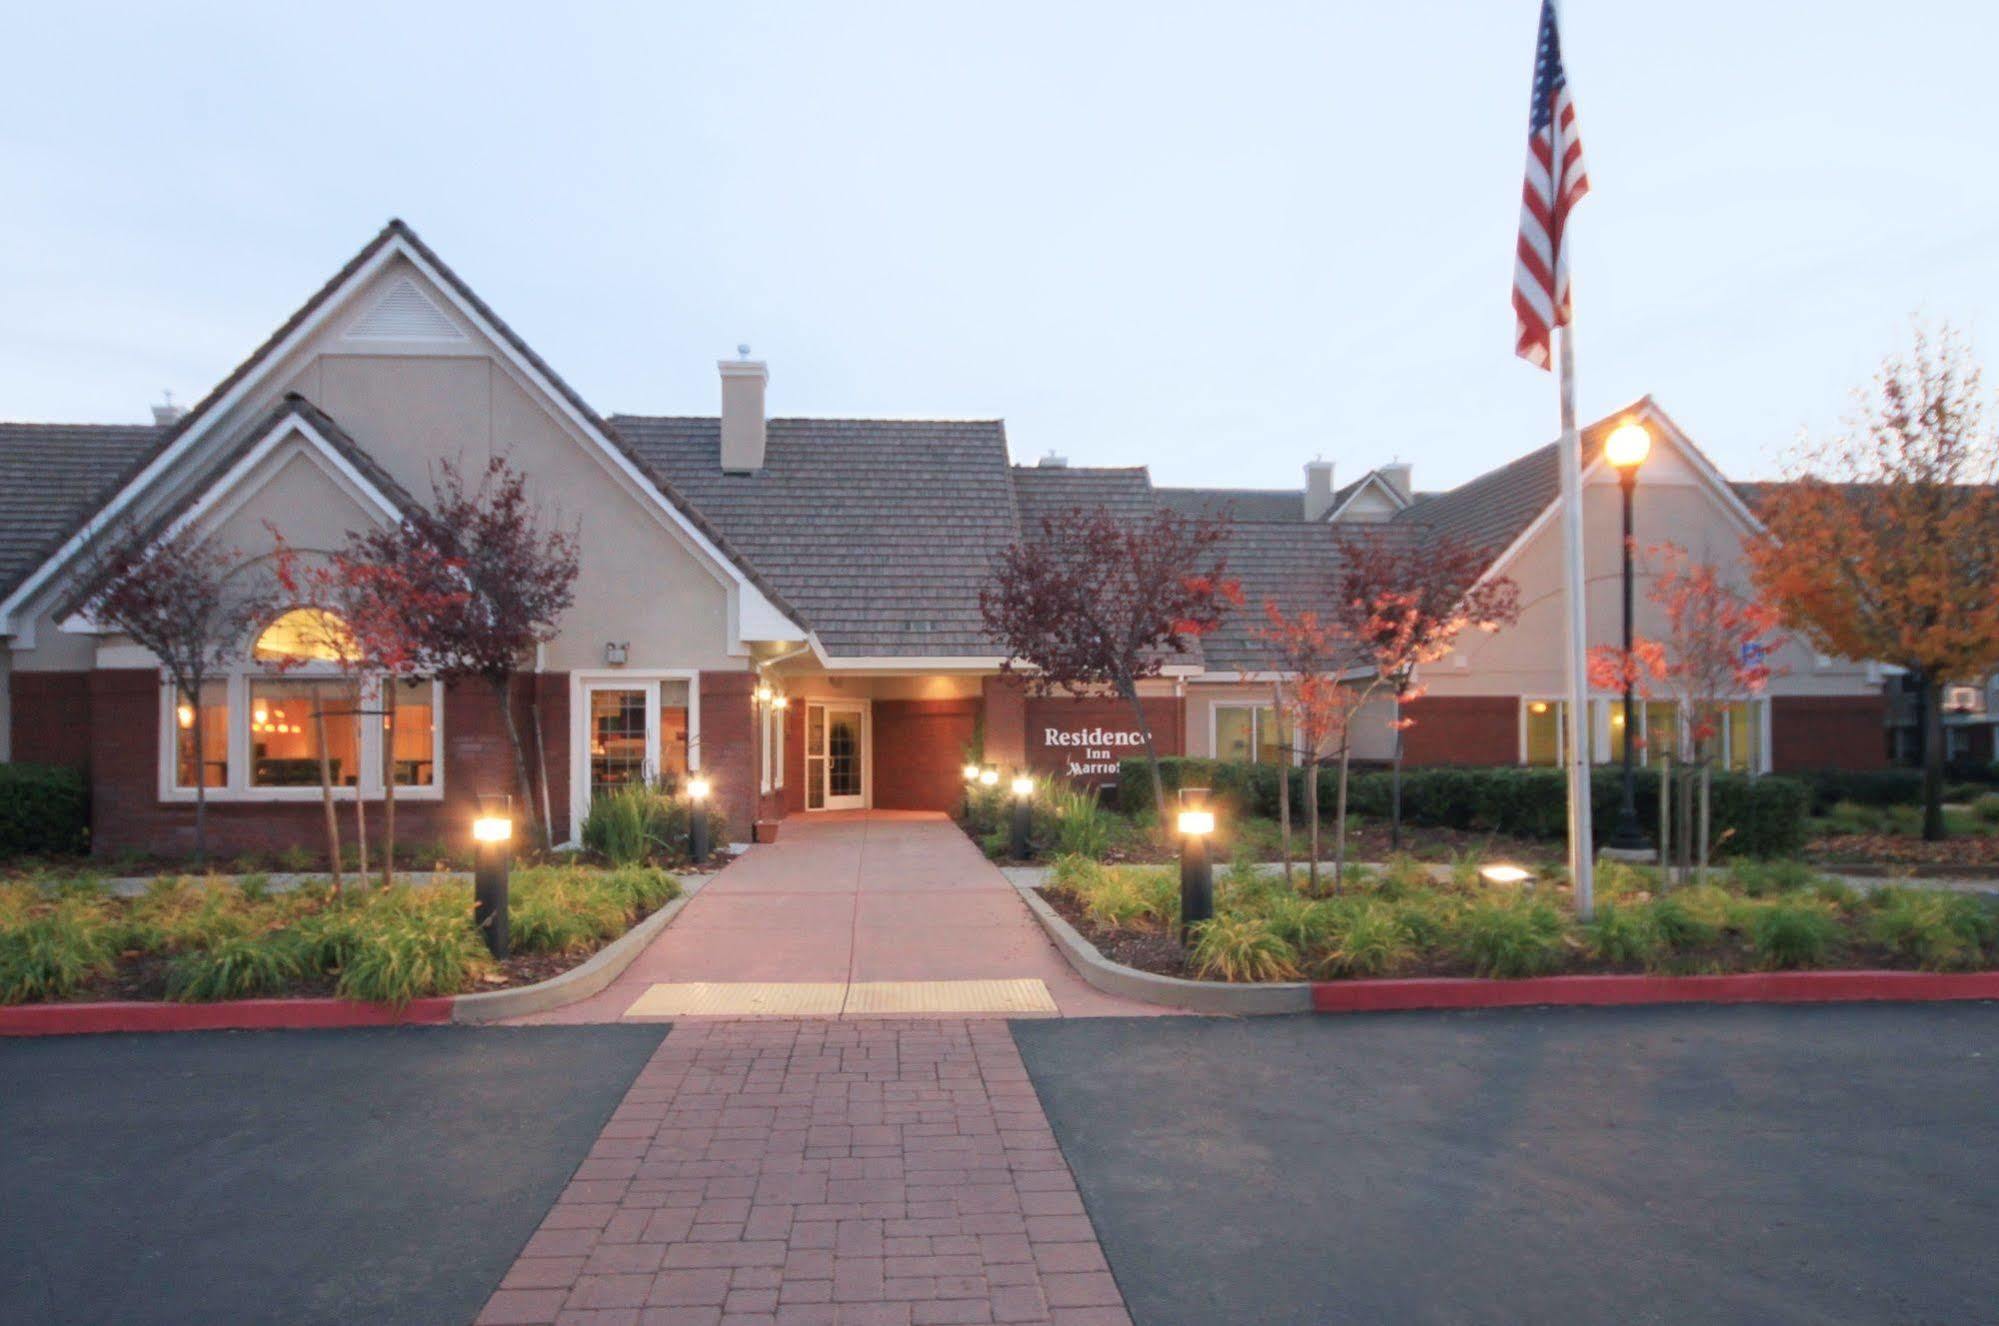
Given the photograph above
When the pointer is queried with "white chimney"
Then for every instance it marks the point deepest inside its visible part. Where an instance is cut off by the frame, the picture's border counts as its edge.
(166, 413)
(1318, 489)
(743, 383)
(1052, 461)
(1401, 476)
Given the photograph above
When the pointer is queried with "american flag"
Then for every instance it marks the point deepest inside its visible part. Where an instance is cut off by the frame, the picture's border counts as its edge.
(1556, 181)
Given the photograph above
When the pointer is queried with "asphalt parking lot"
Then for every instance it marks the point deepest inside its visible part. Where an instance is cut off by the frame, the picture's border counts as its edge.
(380, 1176)
(1767, 1165)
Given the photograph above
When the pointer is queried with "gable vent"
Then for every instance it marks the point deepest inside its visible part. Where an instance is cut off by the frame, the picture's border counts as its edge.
(404, 313)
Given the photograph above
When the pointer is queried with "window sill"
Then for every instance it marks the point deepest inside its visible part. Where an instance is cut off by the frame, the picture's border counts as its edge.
(184, 796)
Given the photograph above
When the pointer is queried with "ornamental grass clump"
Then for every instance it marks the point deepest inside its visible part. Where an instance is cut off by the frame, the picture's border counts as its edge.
(238, 966)
(1367, 938)
(407, 948)
(1235, 947)
(1936, 931)
(1624, 935)
(1512, 937)
(1306, 924)
(1791, 933)
(50, 950)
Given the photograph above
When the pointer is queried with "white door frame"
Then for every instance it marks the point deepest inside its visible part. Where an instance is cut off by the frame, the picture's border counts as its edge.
(624, 679)
(865, 708)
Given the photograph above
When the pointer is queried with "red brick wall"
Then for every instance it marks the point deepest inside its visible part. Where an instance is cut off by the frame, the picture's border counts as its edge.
(128, 815)
(1005, 722)
(51, 717)
(919, 752)
(729, 749)
(1462, 729)
(1167, 716)
(1828, 732)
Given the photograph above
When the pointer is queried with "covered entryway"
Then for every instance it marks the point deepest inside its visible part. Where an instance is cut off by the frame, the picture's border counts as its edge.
(838, 755)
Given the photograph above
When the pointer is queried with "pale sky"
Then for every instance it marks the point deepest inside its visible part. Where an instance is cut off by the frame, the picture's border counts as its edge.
(1216, 239)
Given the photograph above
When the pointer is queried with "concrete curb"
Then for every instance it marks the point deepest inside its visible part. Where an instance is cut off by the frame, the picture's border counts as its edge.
(579, 982)
(1212, 997)
(231, 1015)
(1774, 987)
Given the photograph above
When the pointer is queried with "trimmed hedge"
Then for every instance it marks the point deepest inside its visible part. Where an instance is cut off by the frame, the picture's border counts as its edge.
(1751, 816)
(44, 810)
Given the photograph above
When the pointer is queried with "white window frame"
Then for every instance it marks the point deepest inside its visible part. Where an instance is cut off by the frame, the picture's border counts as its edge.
(1604, 706)
(624, 679)
(236, 681)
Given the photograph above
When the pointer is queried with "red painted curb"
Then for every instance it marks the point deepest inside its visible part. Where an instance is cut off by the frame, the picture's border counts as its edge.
(237, 1015)
(1775, 987)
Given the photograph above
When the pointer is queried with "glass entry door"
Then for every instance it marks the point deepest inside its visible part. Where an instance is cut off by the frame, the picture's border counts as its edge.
(836, 756)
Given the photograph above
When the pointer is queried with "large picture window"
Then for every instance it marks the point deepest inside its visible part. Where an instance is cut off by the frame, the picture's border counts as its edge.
(1737, 744)
(261, 724)
(1247, 732)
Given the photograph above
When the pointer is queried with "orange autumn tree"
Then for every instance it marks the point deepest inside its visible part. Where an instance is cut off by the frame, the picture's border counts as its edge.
(1885, 544)
(1307, 654)
(1715, 652)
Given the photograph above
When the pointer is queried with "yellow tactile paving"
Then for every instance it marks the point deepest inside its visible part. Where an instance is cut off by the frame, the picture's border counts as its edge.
(830, 998)
(740, 998)
(1015, 996)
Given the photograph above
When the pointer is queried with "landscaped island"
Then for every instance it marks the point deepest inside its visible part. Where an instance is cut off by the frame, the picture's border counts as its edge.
(185, 939)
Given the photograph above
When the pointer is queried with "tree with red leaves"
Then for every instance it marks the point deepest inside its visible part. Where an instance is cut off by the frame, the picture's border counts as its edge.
(1309, 656)
(186, 601)
(1096, 603)
(1405, 603)
(492, 583)
(372, 618)
(1715, 652)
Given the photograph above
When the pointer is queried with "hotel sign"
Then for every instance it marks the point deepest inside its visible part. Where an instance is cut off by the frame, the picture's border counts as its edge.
(1084, 740)
(1090, 754)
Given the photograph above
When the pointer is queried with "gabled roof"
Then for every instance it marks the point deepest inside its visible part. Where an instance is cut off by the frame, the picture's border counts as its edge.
(1494, 509)
(397, 234)
(1043, 490)
(1261, 504)
(882, 532)
(52, 477)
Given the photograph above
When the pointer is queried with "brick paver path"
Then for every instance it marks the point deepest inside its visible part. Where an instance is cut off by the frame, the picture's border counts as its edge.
(820, 1173)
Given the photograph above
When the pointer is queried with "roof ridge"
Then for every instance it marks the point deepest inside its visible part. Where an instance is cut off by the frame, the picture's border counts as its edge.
(50, 423)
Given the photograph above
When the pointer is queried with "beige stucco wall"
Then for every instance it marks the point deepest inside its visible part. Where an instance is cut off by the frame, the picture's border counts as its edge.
(1373, 738)
(1526, 658)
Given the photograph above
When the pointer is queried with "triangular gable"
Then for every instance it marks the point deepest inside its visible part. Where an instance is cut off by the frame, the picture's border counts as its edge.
(405, 313)
(1370, 484)
(759, 611)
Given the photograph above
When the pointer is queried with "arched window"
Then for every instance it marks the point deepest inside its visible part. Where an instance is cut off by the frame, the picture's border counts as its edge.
(262, 724)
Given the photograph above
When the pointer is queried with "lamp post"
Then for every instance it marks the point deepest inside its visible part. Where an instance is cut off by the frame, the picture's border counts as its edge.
(1626, 449)
(1023, 798)
(492, 831)
(1197, 876)
(697, 819)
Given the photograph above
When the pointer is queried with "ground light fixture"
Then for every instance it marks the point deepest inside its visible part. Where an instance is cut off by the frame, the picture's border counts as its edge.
(1626, 448)
(971, 779)
(1505, 873)
(1197, 875)
(989, 777)
(492, 839)
(1023, 810)
(697, 819)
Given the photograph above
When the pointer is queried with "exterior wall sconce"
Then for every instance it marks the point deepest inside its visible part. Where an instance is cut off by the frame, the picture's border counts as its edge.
(616, 652)
(764, 693)
(1197, 874)
(781, 703)
(492, 836)
(697, 819)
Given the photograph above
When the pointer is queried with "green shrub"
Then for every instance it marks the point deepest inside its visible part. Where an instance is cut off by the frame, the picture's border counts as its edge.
(1306, 924)
(1368, 938)
(560, 909)
(1242, 948)
(1521, 936)
(639, 823)
(1938, 931)
(44, 811)
(644, 889)
(1429, 919)
(1682, 928)
(1986, 808)
(1624, 935)
(1792, 933)
(50, 951)
(1768, 879)
(1866, 787)
(404, 950)
(237, 966)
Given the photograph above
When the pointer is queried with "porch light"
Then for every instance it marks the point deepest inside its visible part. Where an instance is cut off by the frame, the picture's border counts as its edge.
(1628, 445)
(1197, 875)
(491, 832)
(1505, 873)
(697, 819)
(764, 693)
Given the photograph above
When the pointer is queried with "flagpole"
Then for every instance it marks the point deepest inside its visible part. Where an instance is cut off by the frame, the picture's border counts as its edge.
(1582, 855)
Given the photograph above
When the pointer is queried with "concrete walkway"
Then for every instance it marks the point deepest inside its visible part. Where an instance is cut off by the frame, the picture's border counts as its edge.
(842, 899)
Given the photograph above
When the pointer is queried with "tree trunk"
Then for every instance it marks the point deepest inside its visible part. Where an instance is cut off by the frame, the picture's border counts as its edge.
(1283, 777)
(1395, 785)
(1932, 760)
(1666, 776)
(504, 691)
(1340, 817)
(1707, 795)
(200, 783)
(389, 685)
(1312, 819)
(326, 785)
(541, 768)
(1129, 691)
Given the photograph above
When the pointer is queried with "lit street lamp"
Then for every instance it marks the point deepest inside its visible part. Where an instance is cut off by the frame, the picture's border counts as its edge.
(1626, 449)
(697, 819)
(492, 831)
(1023, 797)
(1197, 876)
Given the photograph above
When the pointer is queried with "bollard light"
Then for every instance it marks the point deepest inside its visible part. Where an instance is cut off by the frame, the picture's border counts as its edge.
(697, 819)
(1023, 810)
(492, 832)
(971, 778)
(1197, 875)
(989, 777)
(1505, 873)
